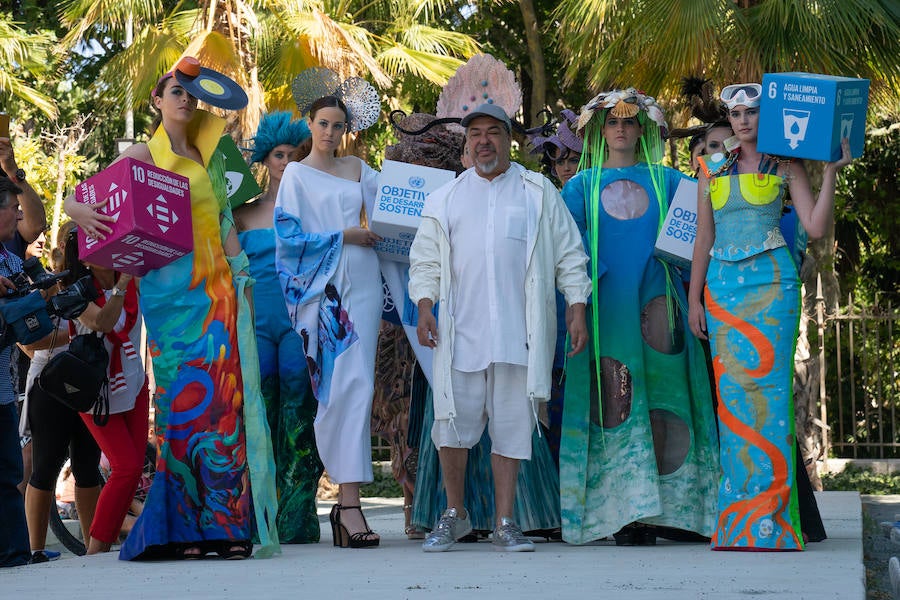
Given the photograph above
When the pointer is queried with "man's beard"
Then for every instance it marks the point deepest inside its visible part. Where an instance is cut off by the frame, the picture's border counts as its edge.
(487, 167)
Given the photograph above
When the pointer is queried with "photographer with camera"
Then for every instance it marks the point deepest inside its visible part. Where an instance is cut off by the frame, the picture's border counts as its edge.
(57, 431)
(110, 307)
(115, 313)
(29, 228)
(14, 549)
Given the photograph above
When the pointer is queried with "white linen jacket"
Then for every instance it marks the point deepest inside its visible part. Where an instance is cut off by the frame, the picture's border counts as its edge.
(556, 259)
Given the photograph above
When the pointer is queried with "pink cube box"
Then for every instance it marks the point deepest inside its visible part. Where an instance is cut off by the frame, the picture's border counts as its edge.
(152, 212)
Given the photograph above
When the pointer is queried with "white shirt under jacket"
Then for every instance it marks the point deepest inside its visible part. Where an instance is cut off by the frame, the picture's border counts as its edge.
(487, 267)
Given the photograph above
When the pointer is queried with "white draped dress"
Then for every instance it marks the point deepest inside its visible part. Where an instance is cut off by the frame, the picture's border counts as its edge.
(333, 293)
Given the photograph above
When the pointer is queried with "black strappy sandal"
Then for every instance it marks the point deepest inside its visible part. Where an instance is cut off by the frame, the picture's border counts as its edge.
(334, 519)
(189, 552)
(235, 550)
(360, 539)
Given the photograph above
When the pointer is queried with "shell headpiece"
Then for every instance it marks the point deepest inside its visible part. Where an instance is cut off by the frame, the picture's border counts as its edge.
(623, 104)
(482, 80)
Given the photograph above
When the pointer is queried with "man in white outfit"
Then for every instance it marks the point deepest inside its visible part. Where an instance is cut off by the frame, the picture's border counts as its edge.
(493, 246)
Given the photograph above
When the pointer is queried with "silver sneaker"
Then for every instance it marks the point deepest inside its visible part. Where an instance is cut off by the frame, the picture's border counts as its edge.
(449, 528)
(508, 537)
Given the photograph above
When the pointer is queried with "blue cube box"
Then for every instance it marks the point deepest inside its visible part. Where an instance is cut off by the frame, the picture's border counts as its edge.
(805, 115)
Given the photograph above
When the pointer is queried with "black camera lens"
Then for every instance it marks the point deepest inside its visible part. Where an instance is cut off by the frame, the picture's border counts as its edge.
(33, 268)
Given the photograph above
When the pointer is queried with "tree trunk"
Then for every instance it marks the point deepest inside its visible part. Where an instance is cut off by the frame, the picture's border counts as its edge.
(536, 57)
(819, 262)
(806, 395)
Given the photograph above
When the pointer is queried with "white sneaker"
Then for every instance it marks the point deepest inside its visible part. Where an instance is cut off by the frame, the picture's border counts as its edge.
(508, 537)
(449, 528)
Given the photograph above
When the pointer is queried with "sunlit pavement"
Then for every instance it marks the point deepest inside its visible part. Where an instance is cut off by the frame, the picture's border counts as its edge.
(399, 569)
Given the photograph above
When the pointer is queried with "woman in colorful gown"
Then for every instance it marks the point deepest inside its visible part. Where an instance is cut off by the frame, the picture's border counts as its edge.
(207, 391)
(290, 404)
(752, 311)
(332, 286)
(638, 442)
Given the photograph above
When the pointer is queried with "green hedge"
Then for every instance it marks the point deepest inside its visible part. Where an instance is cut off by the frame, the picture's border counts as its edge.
(863, 481)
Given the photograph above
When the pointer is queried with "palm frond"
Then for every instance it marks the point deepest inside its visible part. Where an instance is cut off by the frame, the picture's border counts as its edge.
(24, 54)
(436, 68)
(424, 38)
(82, 15)
(343, 47)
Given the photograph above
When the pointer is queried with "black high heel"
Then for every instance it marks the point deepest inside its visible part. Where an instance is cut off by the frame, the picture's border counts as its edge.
(345, 539)
(636, 534)
(334, 518)
(627, 536)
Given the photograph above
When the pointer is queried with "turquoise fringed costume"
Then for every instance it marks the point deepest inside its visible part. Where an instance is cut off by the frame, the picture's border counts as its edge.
(641, 445)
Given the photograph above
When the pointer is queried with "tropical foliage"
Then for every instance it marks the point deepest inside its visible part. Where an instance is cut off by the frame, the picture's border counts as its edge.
(25, 58)
(864, 481)
(652, 44)
(264, 44)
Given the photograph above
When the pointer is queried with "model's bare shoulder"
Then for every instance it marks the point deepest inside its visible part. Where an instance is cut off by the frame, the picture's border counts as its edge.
(139, 152)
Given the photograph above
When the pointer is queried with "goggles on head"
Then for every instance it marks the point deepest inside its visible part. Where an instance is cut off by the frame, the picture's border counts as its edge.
(746, 94)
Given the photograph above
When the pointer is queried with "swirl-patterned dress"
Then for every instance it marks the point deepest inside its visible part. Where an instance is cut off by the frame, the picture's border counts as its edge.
(200, 494)
(753, 307)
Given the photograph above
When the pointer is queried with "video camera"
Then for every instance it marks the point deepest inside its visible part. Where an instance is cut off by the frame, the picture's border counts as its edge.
(25, 314)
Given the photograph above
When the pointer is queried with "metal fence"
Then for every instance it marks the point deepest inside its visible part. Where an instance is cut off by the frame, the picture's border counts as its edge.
(859, 393)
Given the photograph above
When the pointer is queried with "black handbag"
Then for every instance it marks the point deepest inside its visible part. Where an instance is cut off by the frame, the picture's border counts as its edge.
(77, 377)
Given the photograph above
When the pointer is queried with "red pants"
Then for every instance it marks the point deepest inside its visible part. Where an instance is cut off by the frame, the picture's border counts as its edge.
(124, 441)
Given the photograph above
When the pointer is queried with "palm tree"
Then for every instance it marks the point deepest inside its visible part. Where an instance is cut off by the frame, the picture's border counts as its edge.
(24, 55)
(652, 45)
(264, 44)
(383, 40)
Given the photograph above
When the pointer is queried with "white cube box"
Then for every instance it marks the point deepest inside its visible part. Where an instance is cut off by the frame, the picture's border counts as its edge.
(675, 243)
(402, 189)
(805, 115)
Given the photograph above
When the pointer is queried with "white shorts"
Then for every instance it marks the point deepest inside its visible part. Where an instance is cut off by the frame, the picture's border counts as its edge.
(497, 397)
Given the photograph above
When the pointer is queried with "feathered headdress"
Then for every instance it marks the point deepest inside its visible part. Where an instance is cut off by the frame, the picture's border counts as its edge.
(361, 99)
(702, 99)
(483, 79)
(704, 105)
(276, 129)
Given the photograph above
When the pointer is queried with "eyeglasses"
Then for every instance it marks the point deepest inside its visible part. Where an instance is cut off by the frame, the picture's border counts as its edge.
(746, 94)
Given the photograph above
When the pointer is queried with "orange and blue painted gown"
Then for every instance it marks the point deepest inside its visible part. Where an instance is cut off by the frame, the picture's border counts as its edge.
(753, 303)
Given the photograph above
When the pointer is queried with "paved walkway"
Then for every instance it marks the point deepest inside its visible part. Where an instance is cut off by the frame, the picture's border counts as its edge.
(831, 570)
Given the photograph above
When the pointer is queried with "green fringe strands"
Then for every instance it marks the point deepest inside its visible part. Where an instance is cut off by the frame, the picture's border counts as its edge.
(650, 151)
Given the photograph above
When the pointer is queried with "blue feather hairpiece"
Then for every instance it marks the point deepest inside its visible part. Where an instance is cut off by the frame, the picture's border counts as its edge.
(275, 129)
